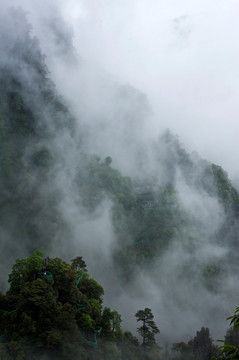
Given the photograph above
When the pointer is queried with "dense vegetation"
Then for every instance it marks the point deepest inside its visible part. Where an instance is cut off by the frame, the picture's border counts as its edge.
(56, 309)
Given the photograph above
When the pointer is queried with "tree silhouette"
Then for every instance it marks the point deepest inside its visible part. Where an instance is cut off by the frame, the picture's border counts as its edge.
(79, 264)
(148, 329)
(202, 345)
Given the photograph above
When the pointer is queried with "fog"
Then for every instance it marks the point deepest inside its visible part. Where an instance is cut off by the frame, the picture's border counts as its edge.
(128, 71)
(182, 55)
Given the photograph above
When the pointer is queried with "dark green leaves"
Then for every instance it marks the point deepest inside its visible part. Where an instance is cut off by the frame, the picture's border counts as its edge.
(148, 329)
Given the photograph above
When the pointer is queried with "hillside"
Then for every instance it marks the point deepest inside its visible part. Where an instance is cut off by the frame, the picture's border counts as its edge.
(166, 236)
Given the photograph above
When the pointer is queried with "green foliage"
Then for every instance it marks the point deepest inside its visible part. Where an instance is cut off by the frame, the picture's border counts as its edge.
(144, 234)
(202, 345)
(43, 309)
(116, 321)
(211, 274)
(37, 313)
(56, 311)
(130, 338)
(148, 329)
(229, 351)
(24, 270)
(6, 151)
(184, 351)
(42, 158)
(22, 119)
(86, 322)
(95, 308)
(96, 180)
(226, 192)
(106, 320)
(111, 321)
(40, 316)
(79, 264)
(91, 289)
(235, 319)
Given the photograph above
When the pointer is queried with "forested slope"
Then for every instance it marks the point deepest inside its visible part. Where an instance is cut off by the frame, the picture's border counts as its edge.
(47, 177)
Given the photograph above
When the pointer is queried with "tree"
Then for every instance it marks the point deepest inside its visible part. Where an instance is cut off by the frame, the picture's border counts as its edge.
(111, 320)
(116, 321)
(49, 312)
(232, 337)
(108, 160)
(149, 329)
(25, 270)
(229, 350)
(79, 264)
(184, 351)
(202, 345)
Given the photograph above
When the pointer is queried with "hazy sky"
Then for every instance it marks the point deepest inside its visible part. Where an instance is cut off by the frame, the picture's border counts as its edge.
(183, 54)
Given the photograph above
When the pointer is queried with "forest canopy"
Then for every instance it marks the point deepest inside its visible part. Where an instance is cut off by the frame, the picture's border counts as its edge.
(56, 308)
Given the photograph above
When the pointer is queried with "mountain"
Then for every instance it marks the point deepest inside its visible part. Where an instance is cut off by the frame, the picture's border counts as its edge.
(171, 226)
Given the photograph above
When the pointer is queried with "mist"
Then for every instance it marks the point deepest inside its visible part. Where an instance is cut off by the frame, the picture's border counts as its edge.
(127, 72)
(182, 56)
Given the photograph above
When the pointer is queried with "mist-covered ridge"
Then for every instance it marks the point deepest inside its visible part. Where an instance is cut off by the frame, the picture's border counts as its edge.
(157, 225)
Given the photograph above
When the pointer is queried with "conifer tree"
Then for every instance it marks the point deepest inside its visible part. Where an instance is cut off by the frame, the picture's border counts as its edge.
(148, 329)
